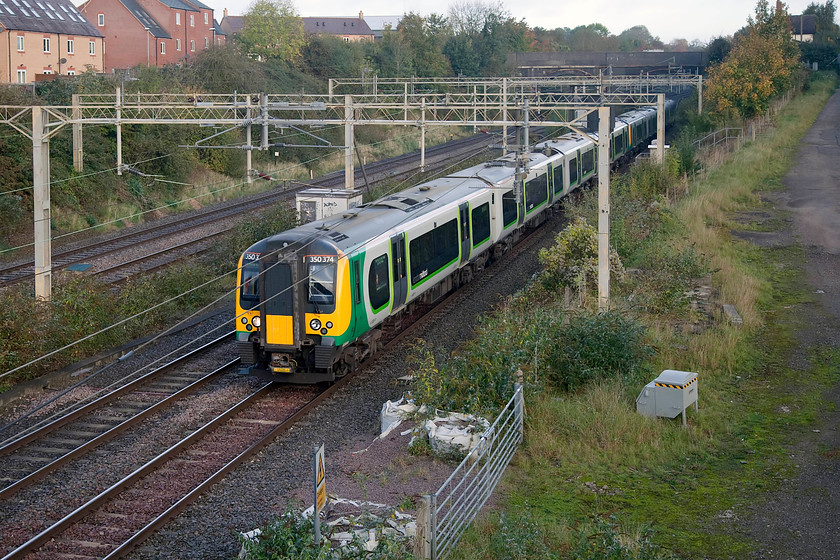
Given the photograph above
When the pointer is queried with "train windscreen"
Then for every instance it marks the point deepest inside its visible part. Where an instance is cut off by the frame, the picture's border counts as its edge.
(249, 292)
(321, 283)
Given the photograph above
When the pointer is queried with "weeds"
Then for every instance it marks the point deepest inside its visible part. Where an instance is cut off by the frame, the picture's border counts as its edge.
(290, 537)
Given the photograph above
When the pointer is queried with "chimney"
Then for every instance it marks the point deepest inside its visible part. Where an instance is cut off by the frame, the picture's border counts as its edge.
(361, 14)
(225, 12)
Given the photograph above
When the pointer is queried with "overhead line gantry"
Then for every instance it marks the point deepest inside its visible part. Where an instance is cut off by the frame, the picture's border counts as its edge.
(501, 103)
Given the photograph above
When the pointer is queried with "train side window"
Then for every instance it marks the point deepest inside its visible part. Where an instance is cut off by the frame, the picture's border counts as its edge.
(481, 224)
(557, 171)
(588, 162)
(379, 284)
(509, 211)
(433, 251)
(573, 171)
(536, 192)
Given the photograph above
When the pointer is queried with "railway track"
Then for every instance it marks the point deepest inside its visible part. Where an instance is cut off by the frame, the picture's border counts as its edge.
(212, 222)
(37, 451)
(115, 519)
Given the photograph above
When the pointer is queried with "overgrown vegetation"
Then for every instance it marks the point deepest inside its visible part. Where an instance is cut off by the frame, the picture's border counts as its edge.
(81, 306)
(597, 471)
(289, 537)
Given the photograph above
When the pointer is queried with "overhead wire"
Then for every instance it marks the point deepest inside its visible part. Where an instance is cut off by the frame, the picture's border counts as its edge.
(193, 341)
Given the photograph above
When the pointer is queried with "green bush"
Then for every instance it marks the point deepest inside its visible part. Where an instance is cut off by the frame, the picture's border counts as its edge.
(573, 260)
(596, 346)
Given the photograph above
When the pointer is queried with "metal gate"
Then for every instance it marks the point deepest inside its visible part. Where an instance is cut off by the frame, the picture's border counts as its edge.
(445, 515)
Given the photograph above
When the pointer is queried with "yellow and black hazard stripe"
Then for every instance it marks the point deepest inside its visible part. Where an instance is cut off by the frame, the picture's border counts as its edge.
(670, 386)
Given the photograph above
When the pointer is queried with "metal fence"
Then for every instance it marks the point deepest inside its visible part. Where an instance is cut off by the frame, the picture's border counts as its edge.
(444, 516)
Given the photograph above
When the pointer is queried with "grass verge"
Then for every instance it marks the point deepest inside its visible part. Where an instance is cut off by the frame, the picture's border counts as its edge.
(595, 479)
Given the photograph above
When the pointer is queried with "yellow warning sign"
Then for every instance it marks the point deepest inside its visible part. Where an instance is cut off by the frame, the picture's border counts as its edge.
(320, 481)
(319, 477)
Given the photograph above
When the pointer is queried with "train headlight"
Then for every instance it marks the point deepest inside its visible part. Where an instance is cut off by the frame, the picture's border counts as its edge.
(329, 324)
(256, 322)
(244, 320)
(315, 324)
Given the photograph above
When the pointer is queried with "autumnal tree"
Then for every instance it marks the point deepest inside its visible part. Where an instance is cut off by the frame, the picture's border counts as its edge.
(761, 64)
(272, 29)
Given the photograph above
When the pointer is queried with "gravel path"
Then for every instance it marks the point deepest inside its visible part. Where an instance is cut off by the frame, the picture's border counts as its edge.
(800, 520)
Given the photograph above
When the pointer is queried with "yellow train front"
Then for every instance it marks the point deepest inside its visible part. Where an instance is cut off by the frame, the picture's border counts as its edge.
(291, 317)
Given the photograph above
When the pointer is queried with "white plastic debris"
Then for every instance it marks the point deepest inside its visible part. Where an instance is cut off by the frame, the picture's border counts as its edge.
(393, 414)
(250, 536)
(455, 432)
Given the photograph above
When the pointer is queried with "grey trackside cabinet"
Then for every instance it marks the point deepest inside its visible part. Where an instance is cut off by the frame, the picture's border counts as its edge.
(668, 395)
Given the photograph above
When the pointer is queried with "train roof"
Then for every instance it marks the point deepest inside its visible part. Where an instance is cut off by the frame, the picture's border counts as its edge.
(353, 228)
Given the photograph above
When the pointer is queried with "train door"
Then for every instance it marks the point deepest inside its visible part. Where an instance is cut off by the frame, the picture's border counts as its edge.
(398, 270)
(279, 306)
(464, 213)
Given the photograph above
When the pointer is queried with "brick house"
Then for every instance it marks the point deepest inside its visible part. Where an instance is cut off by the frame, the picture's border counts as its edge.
(152, 32)
(40, 37)
(350, 29)
(232, 24)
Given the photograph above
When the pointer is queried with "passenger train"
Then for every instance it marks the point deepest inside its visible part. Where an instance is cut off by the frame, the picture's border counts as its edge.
(312, 301)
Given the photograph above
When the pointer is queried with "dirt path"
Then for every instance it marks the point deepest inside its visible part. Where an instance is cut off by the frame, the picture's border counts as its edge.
(802, 519)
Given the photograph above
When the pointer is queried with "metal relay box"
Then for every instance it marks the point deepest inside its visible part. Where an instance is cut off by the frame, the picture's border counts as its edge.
(668, 395)
(318, 203)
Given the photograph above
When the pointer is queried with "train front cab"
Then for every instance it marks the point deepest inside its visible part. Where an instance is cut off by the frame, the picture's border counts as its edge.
(302, 317)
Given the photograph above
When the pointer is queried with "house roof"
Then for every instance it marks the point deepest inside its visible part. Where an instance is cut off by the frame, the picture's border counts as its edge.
(178, 5)
(232, 24)
(199, 5)
(218, 28)
(146, 19)
(336, 25)
(379, 23)
(804, 25)
(48, 16)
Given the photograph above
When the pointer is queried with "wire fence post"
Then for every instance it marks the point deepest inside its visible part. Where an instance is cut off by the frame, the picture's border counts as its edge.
(422, 544)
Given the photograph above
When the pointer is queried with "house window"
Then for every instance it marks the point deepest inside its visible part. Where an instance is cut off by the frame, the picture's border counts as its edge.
(20, 43)
(71, 72)
(21, 76)
(177, 44)
(206, 18)
(162, 47)
(192, 20)
(100, 19)
(92, 47)
(177, 18)
(206, 42)
(192, 45)
(46, 44)
(47, 71)
(71, 49)
(347, 39)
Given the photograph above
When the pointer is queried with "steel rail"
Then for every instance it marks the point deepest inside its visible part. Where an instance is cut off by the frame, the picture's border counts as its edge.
(103, 497)
(18, 441)
(113, 432)
(15, 273)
